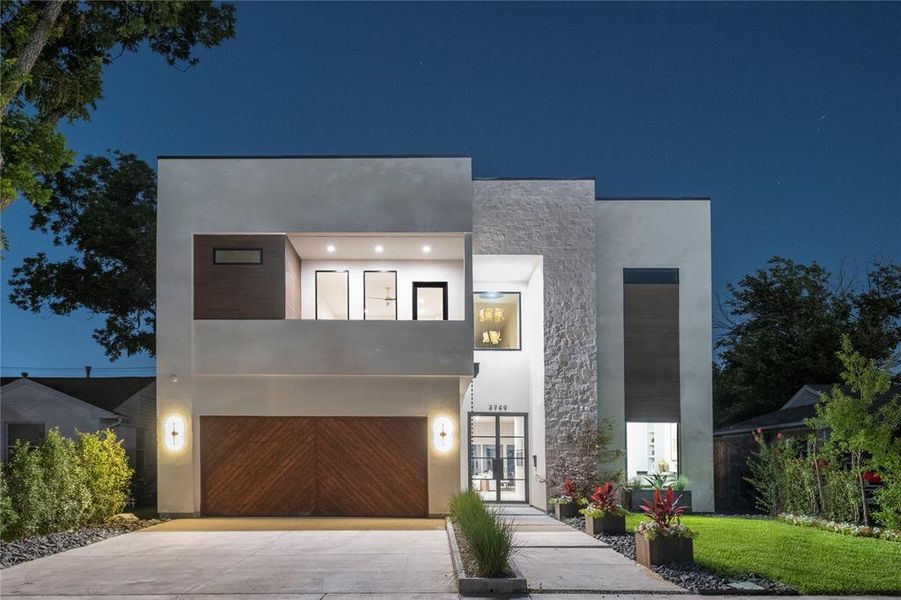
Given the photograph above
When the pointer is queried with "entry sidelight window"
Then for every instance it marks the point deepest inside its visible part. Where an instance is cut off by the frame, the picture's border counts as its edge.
(430, 301)
(497, 320)
(332, 295)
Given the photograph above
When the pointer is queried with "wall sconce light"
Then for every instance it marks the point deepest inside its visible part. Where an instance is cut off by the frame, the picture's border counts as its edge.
(173, 378)
(174, 434)
(442, 434)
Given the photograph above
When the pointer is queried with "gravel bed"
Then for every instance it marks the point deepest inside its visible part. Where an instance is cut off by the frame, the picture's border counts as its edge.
(19, 551)
(690, 576)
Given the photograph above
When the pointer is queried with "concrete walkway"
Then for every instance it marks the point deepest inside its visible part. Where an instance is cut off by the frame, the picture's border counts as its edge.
(556, 558)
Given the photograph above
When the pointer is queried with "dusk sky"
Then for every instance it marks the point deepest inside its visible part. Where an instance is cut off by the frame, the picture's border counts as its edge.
(787, 115)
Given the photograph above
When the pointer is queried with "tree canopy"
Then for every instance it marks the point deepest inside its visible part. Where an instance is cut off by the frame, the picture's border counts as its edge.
(782, 329)
(105, 210)
(54, 53)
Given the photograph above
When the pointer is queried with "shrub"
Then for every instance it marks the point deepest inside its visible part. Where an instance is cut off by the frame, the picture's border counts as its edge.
(27, 491)
(584, 450)
(766, 475)
(488, 537)
(68, 497)
(8, 516)
(107, 474)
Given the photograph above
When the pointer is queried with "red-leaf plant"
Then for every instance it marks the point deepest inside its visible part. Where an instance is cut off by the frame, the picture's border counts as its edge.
(664, 510)
(604, 498)
(569, 489)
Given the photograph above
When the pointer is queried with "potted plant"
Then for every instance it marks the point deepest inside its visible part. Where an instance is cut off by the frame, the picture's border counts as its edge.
(566, 505)
(663, 539)
(604, 514)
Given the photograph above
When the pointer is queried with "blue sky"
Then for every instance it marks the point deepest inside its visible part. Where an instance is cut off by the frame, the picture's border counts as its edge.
(787, 115)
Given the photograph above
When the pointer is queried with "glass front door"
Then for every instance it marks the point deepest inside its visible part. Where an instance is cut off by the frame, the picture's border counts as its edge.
(498, 456)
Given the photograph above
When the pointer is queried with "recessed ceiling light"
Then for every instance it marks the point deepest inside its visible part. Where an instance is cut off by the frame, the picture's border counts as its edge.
(379, 249)
(426, 248)
(330, 247)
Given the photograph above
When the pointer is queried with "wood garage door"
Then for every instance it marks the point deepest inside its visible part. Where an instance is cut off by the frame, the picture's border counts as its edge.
(324, 466)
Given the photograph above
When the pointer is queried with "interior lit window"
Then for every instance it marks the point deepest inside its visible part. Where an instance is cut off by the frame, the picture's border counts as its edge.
(651, 448)
(496, 316)
(380, 295)
(332, 300)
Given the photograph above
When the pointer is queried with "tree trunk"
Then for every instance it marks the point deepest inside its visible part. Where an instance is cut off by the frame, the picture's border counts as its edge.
(819, 476)
(863, 491)
(30, 53)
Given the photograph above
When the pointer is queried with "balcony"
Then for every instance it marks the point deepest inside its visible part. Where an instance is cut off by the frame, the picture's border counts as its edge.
(309, 347)
(333, 304)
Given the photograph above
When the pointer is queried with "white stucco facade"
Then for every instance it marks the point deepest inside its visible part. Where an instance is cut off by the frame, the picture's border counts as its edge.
(549, 241)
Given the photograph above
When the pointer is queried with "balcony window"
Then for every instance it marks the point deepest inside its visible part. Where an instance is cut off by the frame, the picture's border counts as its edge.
(332, 295)
(380, 295)
(430, 300)
(497, 320)
(651, 448)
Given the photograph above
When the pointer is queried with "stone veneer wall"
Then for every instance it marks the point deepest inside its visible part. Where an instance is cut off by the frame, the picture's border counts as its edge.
(556, 219)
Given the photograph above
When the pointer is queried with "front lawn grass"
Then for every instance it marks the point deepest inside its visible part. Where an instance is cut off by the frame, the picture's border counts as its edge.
(810, 560)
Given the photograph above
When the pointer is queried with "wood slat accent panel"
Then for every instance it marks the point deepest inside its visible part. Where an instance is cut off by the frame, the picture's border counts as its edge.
(330, 466)
(651, 352)
(257, 466)
(373, 466)
(239, 291)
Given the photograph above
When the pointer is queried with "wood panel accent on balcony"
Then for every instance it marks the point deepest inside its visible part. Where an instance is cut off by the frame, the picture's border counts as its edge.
(651, 352)
(240, 291)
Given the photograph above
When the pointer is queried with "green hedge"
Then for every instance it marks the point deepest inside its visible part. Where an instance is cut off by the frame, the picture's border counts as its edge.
(488, 537)
(62, 484)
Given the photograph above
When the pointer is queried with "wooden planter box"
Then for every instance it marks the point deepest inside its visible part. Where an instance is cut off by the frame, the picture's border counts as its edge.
(663, 550)
(639, 497)
(610, 524)
(566, 511)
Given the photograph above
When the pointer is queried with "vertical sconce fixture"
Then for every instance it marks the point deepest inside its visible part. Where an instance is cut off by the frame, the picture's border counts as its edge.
(442, 434)
(174, 434)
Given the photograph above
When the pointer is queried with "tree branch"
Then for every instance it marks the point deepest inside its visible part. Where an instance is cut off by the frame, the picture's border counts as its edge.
(30, 53)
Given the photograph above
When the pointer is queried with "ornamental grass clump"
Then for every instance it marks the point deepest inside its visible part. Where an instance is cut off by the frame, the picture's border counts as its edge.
(488, 539)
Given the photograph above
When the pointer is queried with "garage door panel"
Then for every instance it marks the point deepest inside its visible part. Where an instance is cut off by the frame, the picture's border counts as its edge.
(282, 466)
(257, 466)
(372, 466)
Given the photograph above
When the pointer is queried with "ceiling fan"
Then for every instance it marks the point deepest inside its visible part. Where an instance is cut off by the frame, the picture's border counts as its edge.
(388, 298)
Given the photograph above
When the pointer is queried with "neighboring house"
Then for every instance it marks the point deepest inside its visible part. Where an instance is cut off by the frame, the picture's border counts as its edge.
(320, 321)
(734, 444)
(30, 406)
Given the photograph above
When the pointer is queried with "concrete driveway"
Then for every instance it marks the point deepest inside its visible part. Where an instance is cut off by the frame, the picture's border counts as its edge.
(296, 558)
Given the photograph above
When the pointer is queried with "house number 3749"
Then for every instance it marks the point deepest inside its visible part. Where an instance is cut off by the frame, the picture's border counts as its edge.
(497, 407)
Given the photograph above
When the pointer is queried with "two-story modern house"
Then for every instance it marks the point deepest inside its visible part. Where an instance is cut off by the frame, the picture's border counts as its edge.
(367, 335)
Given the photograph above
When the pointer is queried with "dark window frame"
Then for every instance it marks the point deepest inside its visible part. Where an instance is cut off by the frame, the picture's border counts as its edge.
(518, 319)
(251, 249)
(429, 284)
(644, 275)
(365, 297)
(316, 291)
(497, 437)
